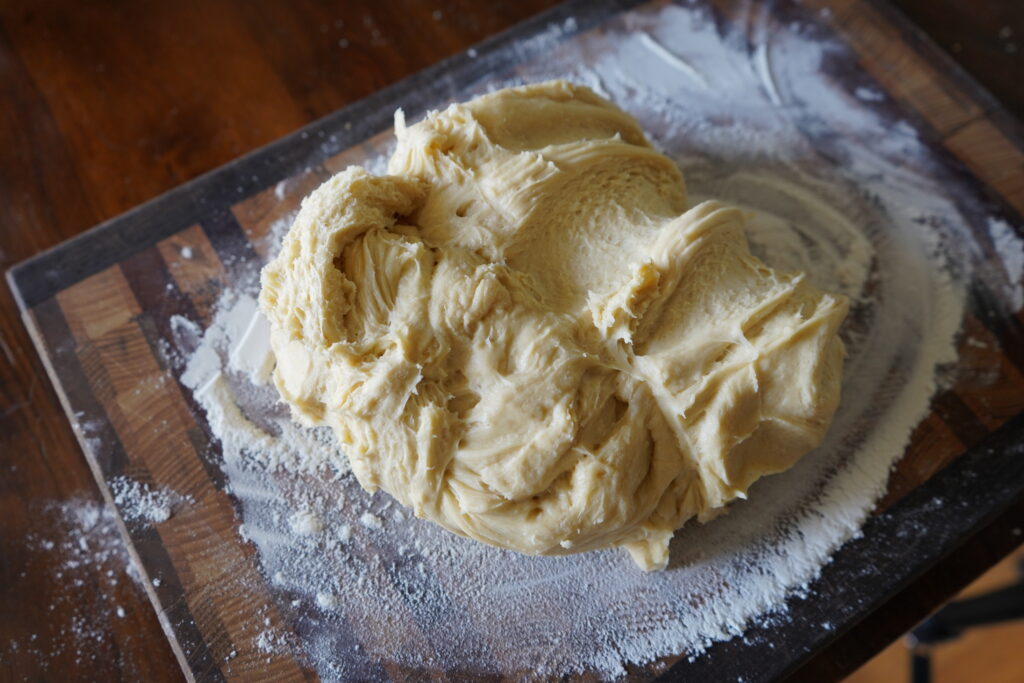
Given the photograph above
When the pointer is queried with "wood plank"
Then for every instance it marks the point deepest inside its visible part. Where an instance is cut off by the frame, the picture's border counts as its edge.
(987, 382)
(45, 321)
(933, 445)
(102, 303)
(359, 154)
(992, 157)
(195, 268)
(152, 419)
(265, 214)
(899, 68)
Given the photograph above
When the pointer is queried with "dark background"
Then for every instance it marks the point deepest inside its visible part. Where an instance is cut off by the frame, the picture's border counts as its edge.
(104, 105)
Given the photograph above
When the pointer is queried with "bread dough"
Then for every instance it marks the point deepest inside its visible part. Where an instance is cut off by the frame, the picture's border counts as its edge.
(523, 334)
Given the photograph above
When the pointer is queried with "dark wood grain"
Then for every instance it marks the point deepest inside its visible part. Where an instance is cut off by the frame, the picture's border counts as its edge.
(986, 38)
(106, 105)
(939, 584)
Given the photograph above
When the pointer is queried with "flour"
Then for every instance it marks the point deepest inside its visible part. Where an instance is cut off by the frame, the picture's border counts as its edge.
(137, 502)
(228, 358)
(834, 187)
(306, 522)
(371, 521)
(1010, 249)
(868, 94)
(84, 545)
(252, 353)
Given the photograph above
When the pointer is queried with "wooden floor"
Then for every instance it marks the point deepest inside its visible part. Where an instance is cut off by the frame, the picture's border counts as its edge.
(988, 655)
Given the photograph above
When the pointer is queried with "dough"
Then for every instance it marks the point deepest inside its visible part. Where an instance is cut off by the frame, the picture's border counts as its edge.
(522, 333)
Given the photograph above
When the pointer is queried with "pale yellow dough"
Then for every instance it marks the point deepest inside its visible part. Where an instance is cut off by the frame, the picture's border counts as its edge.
(523, 334)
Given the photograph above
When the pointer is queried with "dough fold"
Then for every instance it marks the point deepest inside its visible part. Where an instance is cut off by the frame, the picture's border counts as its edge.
(523, 333)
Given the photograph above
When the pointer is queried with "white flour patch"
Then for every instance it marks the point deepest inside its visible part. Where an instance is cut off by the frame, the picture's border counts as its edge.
(868, 94)
(222, 361)
(137, 502)
(1009, 247)
(834, 188)
(371, 521)
(306, 522)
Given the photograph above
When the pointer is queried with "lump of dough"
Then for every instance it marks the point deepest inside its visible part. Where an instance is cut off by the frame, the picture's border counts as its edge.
(523, 333)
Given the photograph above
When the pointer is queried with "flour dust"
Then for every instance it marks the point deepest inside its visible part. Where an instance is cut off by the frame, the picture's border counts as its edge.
(79, 542)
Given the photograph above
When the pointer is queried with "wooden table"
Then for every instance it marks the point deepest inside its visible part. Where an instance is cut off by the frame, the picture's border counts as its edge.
(107, 106)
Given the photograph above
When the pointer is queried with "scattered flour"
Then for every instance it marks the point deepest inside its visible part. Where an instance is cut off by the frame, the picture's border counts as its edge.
(269, 641)
(868, 94)
(137, 502)
(326, 600)
(81, 534)
(307, 523)
(834, 187)
(371, 521)
(1009, 247)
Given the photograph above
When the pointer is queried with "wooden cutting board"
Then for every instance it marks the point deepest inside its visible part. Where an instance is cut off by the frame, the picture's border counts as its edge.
(99, 308)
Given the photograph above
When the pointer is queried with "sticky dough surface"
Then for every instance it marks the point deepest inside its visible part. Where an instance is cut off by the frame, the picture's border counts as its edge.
(524, 334)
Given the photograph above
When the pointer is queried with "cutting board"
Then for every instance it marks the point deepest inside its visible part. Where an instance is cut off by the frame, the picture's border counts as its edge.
(99, 308)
